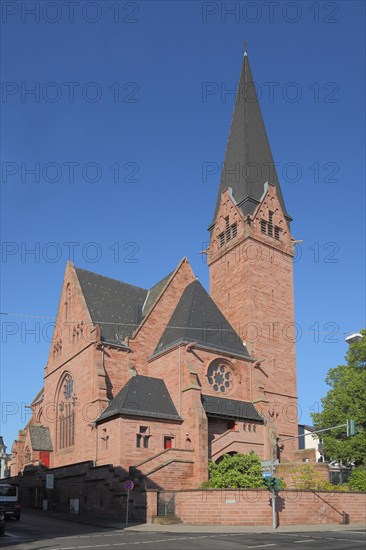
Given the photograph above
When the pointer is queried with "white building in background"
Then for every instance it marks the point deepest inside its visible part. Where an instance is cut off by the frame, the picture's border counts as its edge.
(4, 472)
(308, 441)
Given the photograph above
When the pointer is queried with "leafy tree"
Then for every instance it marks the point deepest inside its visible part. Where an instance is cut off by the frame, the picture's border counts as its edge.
(345, 400)
(357, 480)
(307, 479)
(236, 471)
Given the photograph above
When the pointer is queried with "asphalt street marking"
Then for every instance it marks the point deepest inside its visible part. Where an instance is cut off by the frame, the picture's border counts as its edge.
(261, 545)
(304, 539)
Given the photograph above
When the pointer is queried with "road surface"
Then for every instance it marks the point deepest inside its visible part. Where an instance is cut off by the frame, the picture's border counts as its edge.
(35, 532)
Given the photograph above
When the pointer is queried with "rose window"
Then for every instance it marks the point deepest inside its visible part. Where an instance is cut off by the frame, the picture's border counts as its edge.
(220, 377)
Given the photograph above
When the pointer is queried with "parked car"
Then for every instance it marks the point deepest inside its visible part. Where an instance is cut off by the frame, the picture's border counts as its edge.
(9, 503)
(2, 523)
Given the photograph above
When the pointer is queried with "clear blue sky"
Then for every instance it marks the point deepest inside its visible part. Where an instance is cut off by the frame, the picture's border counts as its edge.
(126, 90)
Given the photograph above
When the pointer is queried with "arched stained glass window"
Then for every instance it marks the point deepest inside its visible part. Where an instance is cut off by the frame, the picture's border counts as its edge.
(66, 413)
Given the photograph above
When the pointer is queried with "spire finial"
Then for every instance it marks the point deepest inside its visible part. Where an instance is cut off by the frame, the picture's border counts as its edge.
(245, 46)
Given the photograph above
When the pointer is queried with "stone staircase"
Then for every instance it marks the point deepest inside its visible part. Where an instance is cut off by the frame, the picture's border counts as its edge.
(223, 442)
(161, 460)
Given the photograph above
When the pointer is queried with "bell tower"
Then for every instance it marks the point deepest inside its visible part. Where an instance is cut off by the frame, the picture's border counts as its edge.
(250, 261)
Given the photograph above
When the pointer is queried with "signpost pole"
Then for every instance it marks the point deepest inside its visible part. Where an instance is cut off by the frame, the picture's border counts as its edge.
(128, 499)
(128, 485)
(274, 522)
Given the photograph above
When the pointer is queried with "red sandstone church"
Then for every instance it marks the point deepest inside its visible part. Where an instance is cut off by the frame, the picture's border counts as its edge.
(161, 380)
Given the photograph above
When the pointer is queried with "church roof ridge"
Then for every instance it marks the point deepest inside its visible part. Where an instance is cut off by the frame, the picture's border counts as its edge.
(77, 269)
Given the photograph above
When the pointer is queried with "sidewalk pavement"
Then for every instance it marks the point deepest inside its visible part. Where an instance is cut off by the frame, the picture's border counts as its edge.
(108, 522)
(185, 528)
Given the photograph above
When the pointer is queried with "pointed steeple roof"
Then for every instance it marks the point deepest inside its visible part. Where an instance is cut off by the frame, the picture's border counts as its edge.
(197, 319)
(248, 163)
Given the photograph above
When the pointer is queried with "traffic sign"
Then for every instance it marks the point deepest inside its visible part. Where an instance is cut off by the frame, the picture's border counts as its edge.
(266, 474)
(128, 485)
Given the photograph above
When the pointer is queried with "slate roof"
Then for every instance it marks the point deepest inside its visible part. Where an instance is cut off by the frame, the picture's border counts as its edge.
(221, 407)
(248, 163)
(117, 307)
(113, 305)
(142, 396)
(197, 319)
(154, 294)
(40, 438)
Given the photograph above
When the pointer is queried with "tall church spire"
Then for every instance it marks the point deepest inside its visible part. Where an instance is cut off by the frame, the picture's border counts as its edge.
(248, 163)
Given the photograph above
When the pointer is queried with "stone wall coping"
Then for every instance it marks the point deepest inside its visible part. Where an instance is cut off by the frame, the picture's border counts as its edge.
(261, 489)
(298, 464)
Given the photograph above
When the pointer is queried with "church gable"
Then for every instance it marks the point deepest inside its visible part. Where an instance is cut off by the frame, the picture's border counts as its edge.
(229, 226)
(269, 223)
(74, 328)
(154, 322)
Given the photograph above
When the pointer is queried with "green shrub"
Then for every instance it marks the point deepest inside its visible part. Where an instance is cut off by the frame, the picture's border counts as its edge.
(234, 472)
(306, 478)
(357, 479)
